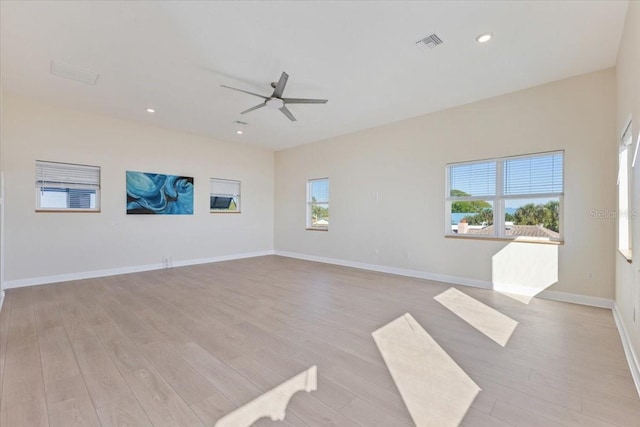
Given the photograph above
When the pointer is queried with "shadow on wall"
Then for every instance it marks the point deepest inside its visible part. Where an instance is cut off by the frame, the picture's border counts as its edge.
(523, 270)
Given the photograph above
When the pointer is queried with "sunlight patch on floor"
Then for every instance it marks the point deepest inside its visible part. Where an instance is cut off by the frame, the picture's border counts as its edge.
(272, 404)
(485, 319)
(523, 270)
(436, 391)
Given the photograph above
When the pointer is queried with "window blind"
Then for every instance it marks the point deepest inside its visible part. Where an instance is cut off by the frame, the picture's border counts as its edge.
(319, 190)
(472, 179)
(225, 186)
(533, 175)
(66, 175)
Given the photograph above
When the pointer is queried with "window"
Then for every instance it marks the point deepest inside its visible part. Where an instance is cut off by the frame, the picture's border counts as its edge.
(318, 204)
(224, 195)
(624, 225)
(512, 197)
(67, 187)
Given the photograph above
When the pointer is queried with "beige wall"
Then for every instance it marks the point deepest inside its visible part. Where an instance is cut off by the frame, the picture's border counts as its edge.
(628, 100)
(50, 244)
(1, 208)
(387, 188)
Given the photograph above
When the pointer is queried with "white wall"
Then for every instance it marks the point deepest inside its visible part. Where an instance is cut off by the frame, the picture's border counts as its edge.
(387, 186)
(628, 103)
(41, 245)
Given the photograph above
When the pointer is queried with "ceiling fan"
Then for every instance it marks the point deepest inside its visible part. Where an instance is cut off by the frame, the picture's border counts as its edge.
(276, 101)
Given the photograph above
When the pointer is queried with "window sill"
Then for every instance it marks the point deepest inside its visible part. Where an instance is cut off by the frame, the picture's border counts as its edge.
(626, 254)
(508, 239)
(317, 229)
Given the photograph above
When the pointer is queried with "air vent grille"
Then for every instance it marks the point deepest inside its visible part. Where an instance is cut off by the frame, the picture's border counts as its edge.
(72, 72)
(430, 41)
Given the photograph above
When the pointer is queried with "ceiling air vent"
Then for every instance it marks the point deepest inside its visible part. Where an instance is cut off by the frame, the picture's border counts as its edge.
(430, 41)
(72, 72)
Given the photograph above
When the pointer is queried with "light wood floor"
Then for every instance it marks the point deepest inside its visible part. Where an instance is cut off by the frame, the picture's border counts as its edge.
(186, 346)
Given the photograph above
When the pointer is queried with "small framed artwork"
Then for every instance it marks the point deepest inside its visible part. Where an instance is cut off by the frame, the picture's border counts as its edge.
(158, 194)
(224, 196)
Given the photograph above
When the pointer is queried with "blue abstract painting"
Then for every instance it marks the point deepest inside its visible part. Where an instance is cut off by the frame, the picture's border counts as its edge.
(154, 193)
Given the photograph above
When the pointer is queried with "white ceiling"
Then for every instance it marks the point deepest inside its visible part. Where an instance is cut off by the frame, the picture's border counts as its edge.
(362, 56)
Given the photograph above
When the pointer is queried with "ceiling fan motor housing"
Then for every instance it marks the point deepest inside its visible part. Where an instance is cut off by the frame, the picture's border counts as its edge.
(275, 103)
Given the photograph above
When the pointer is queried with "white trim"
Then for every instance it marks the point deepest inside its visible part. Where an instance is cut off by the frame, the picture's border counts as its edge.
(464, 281)
(10, 284)
(391, 270)
(577, 299)
(632, 359)
(627, 122)
(1, 299)
(3, 231)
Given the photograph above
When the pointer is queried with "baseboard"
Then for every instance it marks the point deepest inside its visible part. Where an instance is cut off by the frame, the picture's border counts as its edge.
(632, 359)
(11, 284)
(1, 299)
(464, 281)
(576, 299)
(391, 270)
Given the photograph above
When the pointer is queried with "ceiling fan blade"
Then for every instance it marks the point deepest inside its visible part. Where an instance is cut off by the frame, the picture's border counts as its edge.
(245, 91)
(304, 101)
(277, 93)
(287, 113)
(253, 108)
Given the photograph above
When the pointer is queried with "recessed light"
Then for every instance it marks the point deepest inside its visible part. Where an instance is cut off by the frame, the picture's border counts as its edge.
(239, 132)
(150, 110)
(483, 38)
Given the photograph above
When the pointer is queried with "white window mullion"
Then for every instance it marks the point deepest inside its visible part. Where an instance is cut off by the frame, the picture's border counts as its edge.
(498, 210)
(561, 221)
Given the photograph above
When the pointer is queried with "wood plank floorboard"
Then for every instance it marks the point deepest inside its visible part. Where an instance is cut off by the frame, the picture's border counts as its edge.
(190, 346)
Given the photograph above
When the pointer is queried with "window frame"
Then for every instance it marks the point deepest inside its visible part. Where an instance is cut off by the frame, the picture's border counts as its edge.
(311, 203)
(237, 198)
(61, 187)
(624, 223)
(498, 200)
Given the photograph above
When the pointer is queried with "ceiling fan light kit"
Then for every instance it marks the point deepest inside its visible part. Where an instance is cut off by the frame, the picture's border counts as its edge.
(276, 101)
